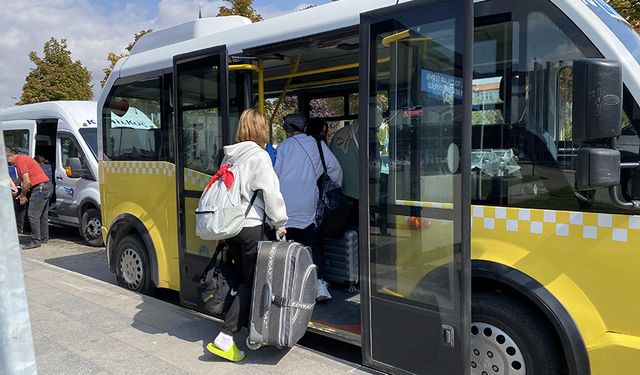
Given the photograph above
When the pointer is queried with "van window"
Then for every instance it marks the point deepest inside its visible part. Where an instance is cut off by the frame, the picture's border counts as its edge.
(70, 149)
(90, 136)
(132, 121)
(18, 140)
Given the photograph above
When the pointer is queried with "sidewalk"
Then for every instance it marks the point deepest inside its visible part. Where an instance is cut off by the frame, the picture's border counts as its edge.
(86, 326)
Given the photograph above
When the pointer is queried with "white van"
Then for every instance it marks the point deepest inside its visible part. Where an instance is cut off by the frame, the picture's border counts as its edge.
(64, 135)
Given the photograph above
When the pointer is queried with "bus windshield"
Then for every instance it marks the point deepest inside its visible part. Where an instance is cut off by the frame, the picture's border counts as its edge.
(616, 23)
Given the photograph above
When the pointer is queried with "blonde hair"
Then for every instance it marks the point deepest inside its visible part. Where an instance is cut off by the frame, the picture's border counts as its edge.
(252, 126)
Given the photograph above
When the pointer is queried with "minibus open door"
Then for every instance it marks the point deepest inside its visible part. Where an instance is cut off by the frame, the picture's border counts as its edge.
(201, 105)
(415, 111)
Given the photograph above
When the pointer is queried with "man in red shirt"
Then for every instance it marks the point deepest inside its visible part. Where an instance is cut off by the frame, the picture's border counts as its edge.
(33, 180)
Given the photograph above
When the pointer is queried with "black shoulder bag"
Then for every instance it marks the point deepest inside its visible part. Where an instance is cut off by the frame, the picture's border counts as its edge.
(218, 283)
(334, 207)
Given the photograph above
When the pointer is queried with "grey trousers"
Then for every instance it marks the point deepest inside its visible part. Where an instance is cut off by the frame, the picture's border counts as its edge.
(38, 211)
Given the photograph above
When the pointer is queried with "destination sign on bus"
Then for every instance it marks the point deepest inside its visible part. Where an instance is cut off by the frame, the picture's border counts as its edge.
(440, 85)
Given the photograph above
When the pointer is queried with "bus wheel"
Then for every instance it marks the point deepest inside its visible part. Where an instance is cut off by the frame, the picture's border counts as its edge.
(91, 227)
(508, 338)
(132, 265)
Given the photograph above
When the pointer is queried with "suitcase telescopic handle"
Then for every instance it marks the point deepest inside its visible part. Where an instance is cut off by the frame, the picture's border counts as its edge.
(265, 302)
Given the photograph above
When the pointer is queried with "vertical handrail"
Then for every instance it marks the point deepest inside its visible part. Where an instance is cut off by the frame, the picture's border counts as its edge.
(261, 85)
(294, 69)
(16, 344)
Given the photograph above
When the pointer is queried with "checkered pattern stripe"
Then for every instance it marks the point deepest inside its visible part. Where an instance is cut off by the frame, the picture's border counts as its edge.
(586, 225)
(148, 168)
(194, 180)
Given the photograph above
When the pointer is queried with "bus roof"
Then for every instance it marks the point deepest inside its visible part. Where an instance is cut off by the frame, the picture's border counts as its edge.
(332, 16)
(76, 113)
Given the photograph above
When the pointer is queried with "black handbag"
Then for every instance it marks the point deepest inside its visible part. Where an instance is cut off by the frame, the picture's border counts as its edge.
(217, 285)
(334, 207)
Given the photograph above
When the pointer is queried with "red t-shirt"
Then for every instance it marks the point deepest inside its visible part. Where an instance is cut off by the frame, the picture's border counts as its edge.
(26, 164)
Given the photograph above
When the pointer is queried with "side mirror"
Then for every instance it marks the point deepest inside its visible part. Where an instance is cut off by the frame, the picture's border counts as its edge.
(74, 170)
(597, 168)
(597, 100)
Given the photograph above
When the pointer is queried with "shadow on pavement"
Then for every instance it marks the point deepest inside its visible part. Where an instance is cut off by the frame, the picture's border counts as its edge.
(90, 264)
(154, 320)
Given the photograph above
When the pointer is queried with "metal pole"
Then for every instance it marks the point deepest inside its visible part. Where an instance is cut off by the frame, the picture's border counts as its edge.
(16, 344)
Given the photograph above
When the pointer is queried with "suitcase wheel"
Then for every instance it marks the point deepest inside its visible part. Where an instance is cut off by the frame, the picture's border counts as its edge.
(352, 289)
(252, 345)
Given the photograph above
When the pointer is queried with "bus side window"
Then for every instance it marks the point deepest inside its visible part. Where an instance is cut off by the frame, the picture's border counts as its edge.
(523, 155)
(132, 121)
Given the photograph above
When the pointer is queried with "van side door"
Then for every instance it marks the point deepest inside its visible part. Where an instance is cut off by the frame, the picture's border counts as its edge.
(69, 184)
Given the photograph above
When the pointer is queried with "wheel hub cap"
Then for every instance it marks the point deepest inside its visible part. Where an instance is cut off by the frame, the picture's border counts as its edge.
(131, 268)
(494, 352)
(94, 228)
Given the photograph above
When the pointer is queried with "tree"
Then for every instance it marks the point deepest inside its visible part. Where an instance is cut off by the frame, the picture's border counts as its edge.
(56, 76)
(114, 57)
(629, 9)
(240, 8)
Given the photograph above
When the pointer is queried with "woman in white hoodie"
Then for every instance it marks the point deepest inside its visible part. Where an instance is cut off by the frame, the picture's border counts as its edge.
(256, 174)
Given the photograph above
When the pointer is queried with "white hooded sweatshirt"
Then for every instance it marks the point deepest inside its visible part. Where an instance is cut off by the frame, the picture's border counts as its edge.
(257, 174)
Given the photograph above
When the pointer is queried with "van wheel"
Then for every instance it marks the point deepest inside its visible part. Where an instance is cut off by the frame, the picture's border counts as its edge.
(508, 338)
(132, 265)
(91, 227)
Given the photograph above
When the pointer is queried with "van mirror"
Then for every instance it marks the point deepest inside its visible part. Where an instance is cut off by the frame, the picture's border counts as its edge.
(74, 170)
(597, 100)
(597, 168)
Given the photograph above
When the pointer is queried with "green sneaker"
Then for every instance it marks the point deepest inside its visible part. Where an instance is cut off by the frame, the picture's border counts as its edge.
(233, 354)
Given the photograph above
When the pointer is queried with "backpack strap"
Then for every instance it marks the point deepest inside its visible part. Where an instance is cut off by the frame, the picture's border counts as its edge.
(324, 164)
(321, 179)
(244, 157)
(305, 151)
(214, 259)
(253, 199)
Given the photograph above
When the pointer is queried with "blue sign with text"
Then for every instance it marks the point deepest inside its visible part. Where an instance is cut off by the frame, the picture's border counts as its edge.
(440, 85)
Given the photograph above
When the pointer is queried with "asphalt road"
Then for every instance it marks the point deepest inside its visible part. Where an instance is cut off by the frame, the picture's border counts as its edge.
(67, 250)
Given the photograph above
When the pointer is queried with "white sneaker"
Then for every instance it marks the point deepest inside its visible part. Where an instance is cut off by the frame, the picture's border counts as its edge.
(322, 293)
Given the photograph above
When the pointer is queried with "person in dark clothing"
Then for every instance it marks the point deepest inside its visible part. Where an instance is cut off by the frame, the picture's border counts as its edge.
(317, 128)
(34, 180)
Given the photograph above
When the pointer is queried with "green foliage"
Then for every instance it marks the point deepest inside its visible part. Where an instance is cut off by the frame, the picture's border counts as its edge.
(56, 76)
(240, 8)
(629, 9)
(289, 105)
(114, 57)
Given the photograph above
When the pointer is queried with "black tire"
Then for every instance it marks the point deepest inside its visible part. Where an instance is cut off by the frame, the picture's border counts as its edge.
(505, 331)
(133, 269)
(91, 227)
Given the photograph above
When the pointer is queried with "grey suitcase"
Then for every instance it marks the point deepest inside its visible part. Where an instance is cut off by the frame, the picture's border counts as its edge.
(284, 294)
(341, 259)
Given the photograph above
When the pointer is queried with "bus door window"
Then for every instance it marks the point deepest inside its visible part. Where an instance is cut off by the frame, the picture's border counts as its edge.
(411, 137)
(201, 119)
(239, 93)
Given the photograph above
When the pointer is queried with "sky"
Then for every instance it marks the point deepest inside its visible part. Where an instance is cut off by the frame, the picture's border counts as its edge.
(93, 28)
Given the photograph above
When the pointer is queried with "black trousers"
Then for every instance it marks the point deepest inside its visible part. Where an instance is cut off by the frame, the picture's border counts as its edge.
(22, 221)
(38, 211)
(243, 250)
(309, 237)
